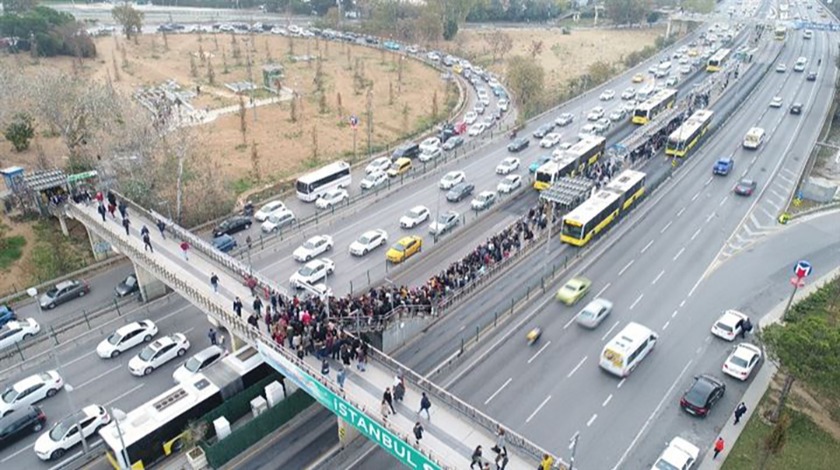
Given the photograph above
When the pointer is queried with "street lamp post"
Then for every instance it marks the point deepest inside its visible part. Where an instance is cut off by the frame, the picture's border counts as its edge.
(573, 444)
(33, 292)
(120, 415)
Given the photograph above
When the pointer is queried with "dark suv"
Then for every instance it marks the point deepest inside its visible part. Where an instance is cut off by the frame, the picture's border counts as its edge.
(459, 192)
(232, 225)
(409, 150)
(19, 424)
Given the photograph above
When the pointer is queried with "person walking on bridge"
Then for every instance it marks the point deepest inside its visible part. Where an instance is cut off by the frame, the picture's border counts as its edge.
(162, 227)
(126, 223)
(425, 404)
(390, 399)
(147, 242)
(476, 458)
(214, 281)
(418, 433)
(185, 246)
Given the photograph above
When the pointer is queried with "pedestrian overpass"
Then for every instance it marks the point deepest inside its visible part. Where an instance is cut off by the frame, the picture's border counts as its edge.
(455, 427)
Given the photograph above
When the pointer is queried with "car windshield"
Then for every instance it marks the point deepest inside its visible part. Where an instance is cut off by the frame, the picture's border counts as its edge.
(310, 244)
(443, 218)
(193, 364)
(661, 464)
(723, 326)
(147, 353)
(738, 361)
(365, 240)
(415, 213)
(698, 394)
(60, 429)
(399, 247)
(52, 292)
(114, 338)
(9, 395)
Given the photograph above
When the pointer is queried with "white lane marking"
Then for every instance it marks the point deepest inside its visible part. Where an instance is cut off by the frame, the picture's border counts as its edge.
(696, 233)
(606, 401)
(498, 391)
(681, 211)
(73, 361)
(636, 301)
(621, 382)
(679, 253)
(577, 367)
(695, 197)
(625, 268)
(674, 314)
(108, 403)
(767, 213)
(682, 303)
(695, 286)
(604, 338)
(647, 246)
(538, 409)
(666, 226)
(572, 440)
(602, 290)
(708, 181)
(188, 330)
(723, 201)
(665, 326)
(591, 420)
(88, 382)
(16, 453)
(657, 277)
(650, 418)
(571, 320)
(710, 217)
(539, 352)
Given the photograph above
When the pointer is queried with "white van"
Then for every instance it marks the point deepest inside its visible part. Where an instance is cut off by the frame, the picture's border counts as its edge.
(800, 64)
(627, 349)
(645, 93)
(754, 138)
(663, 69)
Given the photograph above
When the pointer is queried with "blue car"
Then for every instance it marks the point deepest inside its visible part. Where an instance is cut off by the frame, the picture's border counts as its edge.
(224, 243)
(723, 166)
(6, 315)
(538, 163)
(391, 45)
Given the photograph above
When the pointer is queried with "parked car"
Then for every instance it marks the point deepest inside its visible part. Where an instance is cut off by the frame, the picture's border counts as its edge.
(459, 192)
(7, 314)
(65, 434)
(17, 331)
(232, 225)
(126, 337)
(161, 351)
(483, 201)
(444, 223)
(679, 455)
(63, 292)
(744, 358)
(729, 325)
(198, 362)
(702, 395)
(29, 391)
(509, 184)
(313, 247)
(21, 423)
(224, 243)
(414, 217)
(368, 241)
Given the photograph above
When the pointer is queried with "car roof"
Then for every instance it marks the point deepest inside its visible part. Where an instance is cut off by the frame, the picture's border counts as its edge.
(706, 382)
(372, 233)
(746, 350)
(27, 382)
(272, 204)
(129, 328)
(207, 352)
(407, 240)
(161, 342)
(418, 208)
(67, 283)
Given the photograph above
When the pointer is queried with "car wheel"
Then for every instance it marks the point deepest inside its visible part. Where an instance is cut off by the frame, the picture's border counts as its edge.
(147, 338)
(247, 226)
(82, 293)
(329, 247)
(147, 371)
(181, 352)
(51, 392)
(51, 306)
(306, 258)
(364, 252)
(115, 353)
(57, 454)
(37, 427)
(27, 336)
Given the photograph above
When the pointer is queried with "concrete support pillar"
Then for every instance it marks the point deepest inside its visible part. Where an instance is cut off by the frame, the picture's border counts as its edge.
(62, 221)
(346, 432)
(236, 343)
(150, 287)
(101, 248)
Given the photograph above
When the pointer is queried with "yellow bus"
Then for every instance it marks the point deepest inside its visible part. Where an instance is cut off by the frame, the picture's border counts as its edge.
(685, 137)
(717, 60)
(570, 162)
(599, 211)
(662, 100)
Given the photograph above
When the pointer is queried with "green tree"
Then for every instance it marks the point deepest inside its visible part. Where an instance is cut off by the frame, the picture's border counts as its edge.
(626, 11)
(526, 78)
(129, 18)
(18, 6)
(20, 131)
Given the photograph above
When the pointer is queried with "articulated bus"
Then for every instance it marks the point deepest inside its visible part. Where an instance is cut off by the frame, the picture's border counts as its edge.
(571, 162)
(155, 430)
(662, 100)
(599, 211)
(717, 60)
(313, 185)
(682, 140)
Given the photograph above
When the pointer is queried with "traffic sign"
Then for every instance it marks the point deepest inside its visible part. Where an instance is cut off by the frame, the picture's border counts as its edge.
(802, 269)
(797, 282)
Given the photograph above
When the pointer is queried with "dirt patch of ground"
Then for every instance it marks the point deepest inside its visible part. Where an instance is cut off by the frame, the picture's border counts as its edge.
(16, 277)
(563, 56)
(804, 402)
(401, 101)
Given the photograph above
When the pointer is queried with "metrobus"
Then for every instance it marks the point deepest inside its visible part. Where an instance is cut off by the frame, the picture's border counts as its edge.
(313, 185)
(155, 429)
(627, 349)
(599, 211)
(685, 137)
(662, 100)
(780, 33)
(573, 161)
(717, 60)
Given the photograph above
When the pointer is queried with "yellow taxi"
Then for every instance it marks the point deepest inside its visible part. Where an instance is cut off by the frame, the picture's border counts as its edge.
(399, 167)
(405, 248)
(574, 290)
(638, 78)
(692, 52)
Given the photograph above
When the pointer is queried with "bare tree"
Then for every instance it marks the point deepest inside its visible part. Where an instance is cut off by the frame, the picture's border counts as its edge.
(339, 107)
(499, 42)
(193, 67)
(293, 117)
(314, 145)
(211, 74)
(435, 109)
(390, 93)
(535, 48)
(255, 162)
(243, 123)
(129, 18)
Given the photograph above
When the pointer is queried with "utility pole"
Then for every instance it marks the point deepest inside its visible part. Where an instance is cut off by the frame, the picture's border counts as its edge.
(369, 120)
(573, 444)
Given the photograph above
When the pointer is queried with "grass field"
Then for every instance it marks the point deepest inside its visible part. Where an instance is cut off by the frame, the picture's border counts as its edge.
(12, 251)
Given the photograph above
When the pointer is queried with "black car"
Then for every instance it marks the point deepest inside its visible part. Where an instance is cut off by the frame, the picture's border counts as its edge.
(704, 392)
(459, 192)
(796, 108)
(409, 150)
(19, 424)
(745, 187)
(447, 132)
(232, 225)
(812, 76)
(543, 130)
(128, 286)
(63, 292)
(518, 145)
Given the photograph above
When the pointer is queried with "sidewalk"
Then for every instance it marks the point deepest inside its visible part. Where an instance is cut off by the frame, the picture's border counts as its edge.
(755, 391)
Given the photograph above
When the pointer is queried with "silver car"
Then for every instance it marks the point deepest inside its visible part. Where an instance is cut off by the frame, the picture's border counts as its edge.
(594, 313)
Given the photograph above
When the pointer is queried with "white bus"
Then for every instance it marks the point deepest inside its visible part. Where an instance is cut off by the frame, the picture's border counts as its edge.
(312, 185)
(627, 349)
(754, 138)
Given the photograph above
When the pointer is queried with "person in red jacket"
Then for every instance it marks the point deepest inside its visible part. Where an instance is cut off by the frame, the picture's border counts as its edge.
(718, 447)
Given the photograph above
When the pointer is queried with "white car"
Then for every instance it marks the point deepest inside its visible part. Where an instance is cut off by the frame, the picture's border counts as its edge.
(781, 68)
(332, 198)
(373, 180)
(742, 361)
(16, 331)
(429, 154)
(776, 102)
(378, 164)
(414, 217)
(126, 337)
(470, 117)
(509, 184)
(564, 119)
(602, 125)
(198, 362)
(484, 200)
(29, 391)
(476, 129)
(451, 179)
(679, 455)
(607, 95)
(503, 104)
(617, 115)
(587, 130)
(550, 140)
(628, 94)
(728, 326)
(277, 221)
(64, 435)
(672, 82)
(313, 247)
(369, 241)
(430, 144)
(561, 148)
(312, 272)
(685, 69)
(161, 351)
(596, 113)
(508, 165)
(269, 209)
